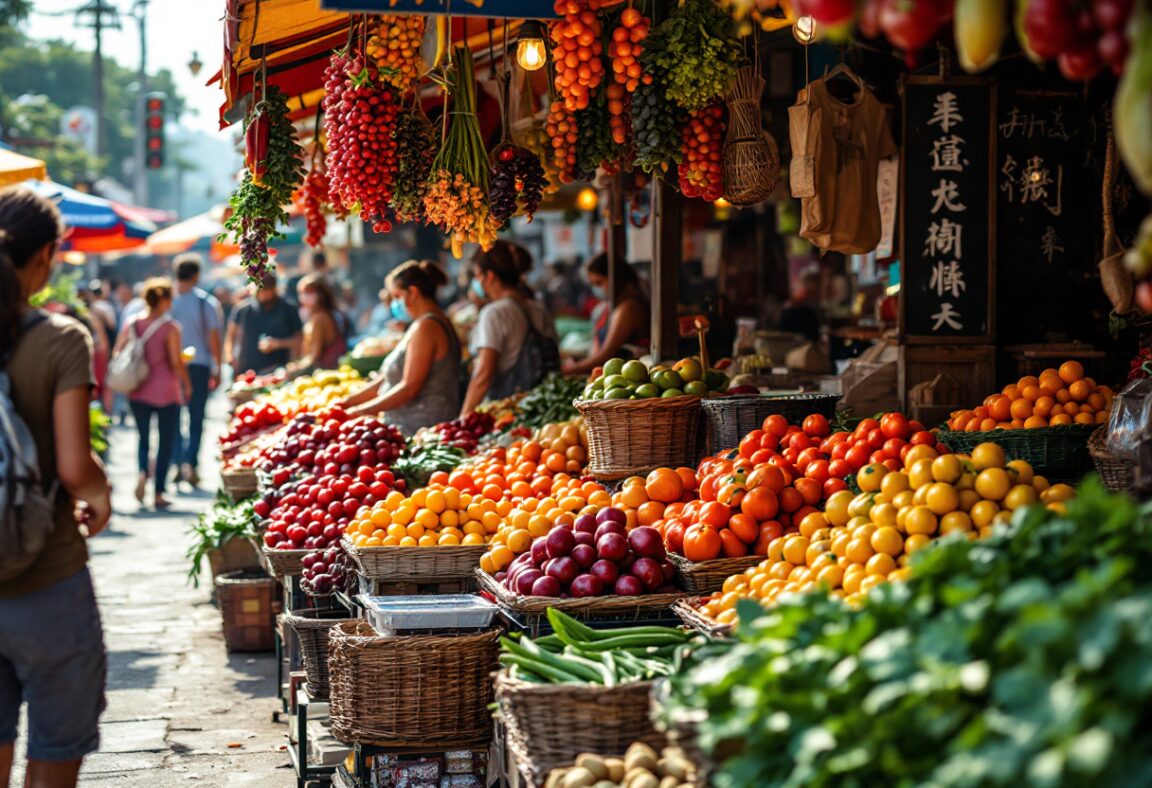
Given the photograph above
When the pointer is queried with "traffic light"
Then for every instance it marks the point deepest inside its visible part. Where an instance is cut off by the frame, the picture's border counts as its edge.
(154, 130)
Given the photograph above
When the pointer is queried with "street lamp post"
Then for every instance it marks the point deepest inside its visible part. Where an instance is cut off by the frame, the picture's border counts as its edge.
(140, 170)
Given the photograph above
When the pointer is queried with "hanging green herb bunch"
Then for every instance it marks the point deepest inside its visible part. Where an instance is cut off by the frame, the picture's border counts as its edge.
(416, 144)
(274, 170)
(697, 48)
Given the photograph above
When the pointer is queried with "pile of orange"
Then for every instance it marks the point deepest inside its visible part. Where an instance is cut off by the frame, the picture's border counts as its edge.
(534, 517)
(431, 517)
(1056, 397)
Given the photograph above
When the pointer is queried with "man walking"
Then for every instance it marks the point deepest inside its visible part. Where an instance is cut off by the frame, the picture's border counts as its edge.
(268, 317)
(201, 321)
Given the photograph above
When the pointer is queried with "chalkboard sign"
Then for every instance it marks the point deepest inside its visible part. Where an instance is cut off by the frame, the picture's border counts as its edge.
(946, 201)
(1049, 151)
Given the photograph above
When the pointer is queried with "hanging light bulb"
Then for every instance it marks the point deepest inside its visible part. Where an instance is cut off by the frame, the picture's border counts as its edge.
(531, 53)
(587, 199)
(804, 30)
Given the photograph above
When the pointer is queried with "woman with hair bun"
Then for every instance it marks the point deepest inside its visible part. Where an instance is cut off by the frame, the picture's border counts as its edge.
(514, 342)
(163, 392)
(51, 644)
(419, 382)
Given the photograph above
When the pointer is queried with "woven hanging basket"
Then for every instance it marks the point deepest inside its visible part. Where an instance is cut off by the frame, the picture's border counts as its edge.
(751, 156)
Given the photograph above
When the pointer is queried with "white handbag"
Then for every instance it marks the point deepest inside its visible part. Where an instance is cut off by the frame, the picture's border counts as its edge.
(128, 368)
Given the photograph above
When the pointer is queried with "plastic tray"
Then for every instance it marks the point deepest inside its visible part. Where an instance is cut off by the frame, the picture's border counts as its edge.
(390, 615)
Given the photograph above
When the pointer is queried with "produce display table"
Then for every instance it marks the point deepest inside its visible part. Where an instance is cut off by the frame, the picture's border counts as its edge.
(306, 771)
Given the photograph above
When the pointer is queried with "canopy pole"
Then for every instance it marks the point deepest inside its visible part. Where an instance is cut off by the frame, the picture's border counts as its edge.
(616, 241)
(667, 256)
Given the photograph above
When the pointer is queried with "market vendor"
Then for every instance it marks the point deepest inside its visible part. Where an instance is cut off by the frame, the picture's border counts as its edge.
(265, 315)
(325, 329)
(509, 323)
(619, 321)
(419, 382)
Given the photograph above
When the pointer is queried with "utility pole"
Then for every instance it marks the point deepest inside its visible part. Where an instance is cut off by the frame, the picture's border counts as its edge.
(98, 10)
(139, 170)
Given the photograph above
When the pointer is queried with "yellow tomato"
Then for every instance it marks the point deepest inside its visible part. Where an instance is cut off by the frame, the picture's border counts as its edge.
(870, 477)
(955, 521)
(947, 468)
(921, 520)
(893, 484)
(1020, 471)
(993, 483)
(942, 498)
(920, 473)
(988, 455)
(887, 540)
(1020, 495)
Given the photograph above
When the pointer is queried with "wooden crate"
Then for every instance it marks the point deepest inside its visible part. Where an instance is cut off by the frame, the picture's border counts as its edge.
(966, 372)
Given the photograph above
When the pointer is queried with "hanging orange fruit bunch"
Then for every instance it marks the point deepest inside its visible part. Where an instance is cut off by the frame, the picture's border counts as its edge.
(625, 47)
(577, 53)
(394, 44)
(561, 129)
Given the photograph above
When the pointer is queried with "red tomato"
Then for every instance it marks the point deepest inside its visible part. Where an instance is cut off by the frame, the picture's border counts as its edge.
(857, 456)
(878, 456)
(790, 455)
(816, 426)
(840, 451)
(785, 465)
(751, 443)
(770, 441)
(915, 426)
(776, 424)
(892, 447)
(838, 469)
(799, 441)
(809, 489)
(895, 425)
(674, 535)
(904, 451)
(839, 437)
(760, 456)
(892, 465)
(876, 438)
(769, 530)
(866, 426)
(799, 515)
(807, 456)
(923, 437)
(834, 485)
(818, 470)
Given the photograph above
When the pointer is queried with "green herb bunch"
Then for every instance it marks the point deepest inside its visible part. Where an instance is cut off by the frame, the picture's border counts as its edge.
(698, 49)
(258, 202)
(550, 402)
(220, 524)
(1021, 659)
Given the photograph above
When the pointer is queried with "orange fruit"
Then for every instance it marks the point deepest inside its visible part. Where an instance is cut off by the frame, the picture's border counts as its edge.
(1080, 390)
(745, 528)
(880, 565)
(1026, 381)
(649, 512)
(1021, 408)
(1059, 419)
(1011, 391)
(1033, 422)
(988, 424)
(760, 503)
(1084, 418)
(1071, 371)
(888, 541)
(920, 520)
(1071, 408)
(1043, 405)
(687, 478)
(1000, 407)
(634, 497)
(664, 485)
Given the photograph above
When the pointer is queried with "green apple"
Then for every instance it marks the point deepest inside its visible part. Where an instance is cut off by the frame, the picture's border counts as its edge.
(697, 388)
(635, 371)
(615, 382)
(689, 369)
(617, 393)
(613, 366)
(669, 379)
(672, 393)
(646, 390)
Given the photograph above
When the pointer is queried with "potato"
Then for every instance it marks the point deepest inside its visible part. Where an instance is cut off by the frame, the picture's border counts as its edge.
(616, 769)
(605, 784)
(593, 763)
(640, 755)
(579, 777)
(669, 782)
(643, 779)
(672, 766)
(556, 778)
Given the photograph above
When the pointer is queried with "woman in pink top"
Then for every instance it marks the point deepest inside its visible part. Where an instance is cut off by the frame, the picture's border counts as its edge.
(163, 391)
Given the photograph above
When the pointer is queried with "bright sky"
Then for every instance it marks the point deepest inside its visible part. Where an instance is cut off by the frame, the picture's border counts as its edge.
(175, 29)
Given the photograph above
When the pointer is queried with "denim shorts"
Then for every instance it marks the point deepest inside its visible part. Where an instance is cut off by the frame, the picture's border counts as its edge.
(52, 658)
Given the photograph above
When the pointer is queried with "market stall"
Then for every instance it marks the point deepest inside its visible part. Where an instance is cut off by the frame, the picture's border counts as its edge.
(640, 569)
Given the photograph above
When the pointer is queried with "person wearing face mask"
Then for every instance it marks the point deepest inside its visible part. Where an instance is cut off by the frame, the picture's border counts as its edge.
(265, 315)
(420, 380)
(325, 329)
(514, 342)
(617, 322)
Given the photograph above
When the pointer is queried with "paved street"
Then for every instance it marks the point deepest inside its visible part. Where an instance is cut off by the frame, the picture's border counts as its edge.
(180, 708)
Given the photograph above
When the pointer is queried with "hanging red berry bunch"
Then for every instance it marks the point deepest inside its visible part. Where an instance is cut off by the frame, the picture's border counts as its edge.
(311, 200)
(702, 147)
(360, 114)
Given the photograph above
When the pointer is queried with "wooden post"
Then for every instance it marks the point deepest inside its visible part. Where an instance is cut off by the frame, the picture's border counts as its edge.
(616, 240)
(667, 255)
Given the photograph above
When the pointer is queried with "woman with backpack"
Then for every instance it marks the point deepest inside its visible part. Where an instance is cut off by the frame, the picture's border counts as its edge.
(420, 380)
(514, 343)
(325, 327)
(51, 644)
(163, 391)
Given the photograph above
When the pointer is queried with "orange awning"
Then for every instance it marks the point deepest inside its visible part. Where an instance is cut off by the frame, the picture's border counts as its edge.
(16, 167)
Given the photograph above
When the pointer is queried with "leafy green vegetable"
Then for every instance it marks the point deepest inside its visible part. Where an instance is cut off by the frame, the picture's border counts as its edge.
(550, 402)
(223, 522)
(1022, 659)
(63, 290)
(697, 50)
(418, 463)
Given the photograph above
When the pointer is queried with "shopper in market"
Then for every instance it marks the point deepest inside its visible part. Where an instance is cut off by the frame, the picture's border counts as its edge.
(420, 380)
(325, 327)
(200, 320)
(264, 315)
(162, 393)
(514, 342)
(619, 321)
(51, 645)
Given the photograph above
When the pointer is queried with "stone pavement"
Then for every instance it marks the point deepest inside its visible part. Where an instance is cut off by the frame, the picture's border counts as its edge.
(181, 710)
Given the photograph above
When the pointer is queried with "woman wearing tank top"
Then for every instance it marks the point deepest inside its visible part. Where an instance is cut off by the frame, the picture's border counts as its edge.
(324, 328)
(419, 382)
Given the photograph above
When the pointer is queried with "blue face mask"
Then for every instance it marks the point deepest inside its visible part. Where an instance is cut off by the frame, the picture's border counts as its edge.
(400, 311)
(599, 293)
(478, 289)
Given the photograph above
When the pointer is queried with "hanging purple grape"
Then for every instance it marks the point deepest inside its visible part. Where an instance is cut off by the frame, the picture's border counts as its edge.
(518, 182)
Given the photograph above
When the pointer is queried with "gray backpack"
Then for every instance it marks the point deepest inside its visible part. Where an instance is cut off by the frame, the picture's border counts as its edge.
(25, 509)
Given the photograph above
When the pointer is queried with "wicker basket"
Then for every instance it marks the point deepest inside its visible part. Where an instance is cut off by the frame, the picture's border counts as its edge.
(728, 419)
(421, 691)
(233, 555)
(1059, 453)
(311, 627)
(532, 611)
(416, 564)
(690, 613)
(284, 563)
(239, 483)
(1117, 474)
(248, 607)
(633, 437)
(704, 577)
(548, 725)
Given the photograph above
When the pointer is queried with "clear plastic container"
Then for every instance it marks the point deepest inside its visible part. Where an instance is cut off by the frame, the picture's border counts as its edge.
(390, 615)
(1130, 414)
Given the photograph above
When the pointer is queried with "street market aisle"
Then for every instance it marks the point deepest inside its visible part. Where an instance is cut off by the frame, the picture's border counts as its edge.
(180, 708)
